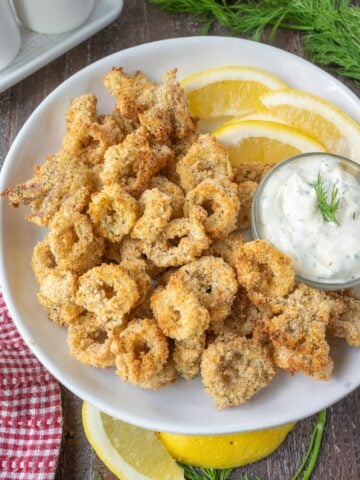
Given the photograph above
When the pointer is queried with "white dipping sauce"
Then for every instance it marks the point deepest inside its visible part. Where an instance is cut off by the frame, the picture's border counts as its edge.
(290, 218)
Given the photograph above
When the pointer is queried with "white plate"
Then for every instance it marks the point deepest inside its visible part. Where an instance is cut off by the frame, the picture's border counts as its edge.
(182, 407)
(38, 49)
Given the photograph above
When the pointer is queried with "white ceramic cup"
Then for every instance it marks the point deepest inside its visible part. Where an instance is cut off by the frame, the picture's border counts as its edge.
(53, 16)
(10, 39)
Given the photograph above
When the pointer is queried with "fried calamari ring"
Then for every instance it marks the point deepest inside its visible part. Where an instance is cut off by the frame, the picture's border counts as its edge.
(219, 200)
(57, 294)
(187, 356)
(213, 282)
(174, 192)
(74, 244)
(178, 312)
(155, 208)
(227, 248)
(89, 341)
(108, 291)
(114, 212)
(298, 334)
(250, 172)
(182, 240)
(141, 354)
(136, 269)
(206, 159)
(43, 261)
(346, 323)
(246, 194)
(264, 271)
(132, 163)
(234, 369)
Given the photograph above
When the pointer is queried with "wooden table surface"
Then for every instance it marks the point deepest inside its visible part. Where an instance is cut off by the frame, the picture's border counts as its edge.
(142, 22)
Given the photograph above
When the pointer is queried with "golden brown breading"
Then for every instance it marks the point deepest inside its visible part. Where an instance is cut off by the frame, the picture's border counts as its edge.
(142, 354)
(169, 120)
(264, 271)
(155, 213)
(179, 312)
(181, 241)
(234, 369)
(132, 163)
(114, 212)
(134, 93)
(108, 291)
(219, 201)
(43, 261)
(205, 159)
(227, 248)
(179, 149)
(250, 172)
(57, 294)
(346, 324)
(89, 341)
(176, 195)
(246, 192)
(61, 184)
(298, 334)
(213, 282)
(137, 270)
(187, 356)
(74, 243)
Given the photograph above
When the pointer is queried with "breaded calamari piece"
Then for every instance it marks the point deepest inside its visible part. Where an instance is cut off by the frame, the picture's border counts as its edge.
(182, 240)
(169, 120)
(74, 243)
(155, 213)
(114, 212)
(175, 193)
(61, 184)
(57, 294)
(137, 270)
(134, 93)
(227, 248)
(89, 340)
(187, 356)
(347, 323)
(250, 172)
(142, 355)
(179, 149)
(205, 159)
(132, 163)
(219, 200)
(246, 193)
(264, 271)
(213, 282)
(234, 369)
(179, 312)
(108, 291)
(298, 333)
(43, 261)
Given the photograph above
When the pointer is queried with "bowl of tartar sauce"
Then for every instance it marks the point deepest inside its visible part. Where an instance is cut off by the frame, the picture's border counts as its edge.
(309, 207)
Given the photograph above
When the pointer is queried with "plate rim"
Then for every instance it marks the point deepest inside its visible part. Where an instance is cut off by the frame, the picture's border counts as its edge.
(40, 353)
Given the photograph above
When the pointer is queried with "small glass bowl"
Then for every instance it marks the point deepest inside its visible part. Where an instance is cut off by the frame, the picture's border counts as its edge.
(351, 167)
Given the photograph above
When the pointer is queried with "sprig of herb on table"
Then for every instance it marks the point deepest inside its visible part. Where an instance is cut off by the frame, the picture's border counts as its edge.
(305, 469)
(327, 207)
(330, 28)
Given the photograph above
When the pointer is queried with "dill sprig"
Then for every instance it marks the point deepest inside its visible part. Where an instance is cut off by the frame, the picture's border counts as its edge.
(305, 469)
(327, 207)
(330, 28)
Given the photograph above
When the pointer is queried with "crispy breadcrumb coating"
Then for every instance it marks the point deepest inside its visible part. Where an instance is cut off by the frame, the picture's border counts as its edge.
(187, 356)
(227, 248)
(250, 172)
(347, 323)
(246, 192)
(175, 193)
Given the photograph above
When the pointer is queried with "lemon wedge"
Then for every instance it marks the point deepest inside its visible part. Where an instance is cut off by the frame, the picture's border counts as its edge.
(333, 128)
(258, 141)
(265, 115)
(228, 91)
(129, 452)
(225, 451)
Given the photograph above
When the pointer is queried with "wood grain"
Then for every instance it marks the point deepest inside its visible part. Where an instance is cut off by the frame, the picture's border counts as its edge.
(142, 22)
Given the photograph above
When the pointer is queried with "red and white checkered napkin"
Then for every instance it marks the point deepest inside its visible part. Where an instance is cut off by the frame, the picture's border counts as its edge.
(30, 410)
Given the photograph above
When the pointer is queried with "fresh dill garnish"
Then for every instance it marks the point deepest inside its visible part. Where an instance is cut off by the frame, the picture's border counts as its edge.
(327, 207)
(330, 28)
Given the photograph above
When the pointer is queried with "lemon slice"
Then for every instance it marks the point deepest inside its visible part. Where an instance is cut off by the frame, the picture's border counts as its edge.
(225, 451)
(257, 141)
(265, 115)
(228, 91)
(338, 132)
(129, 452)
